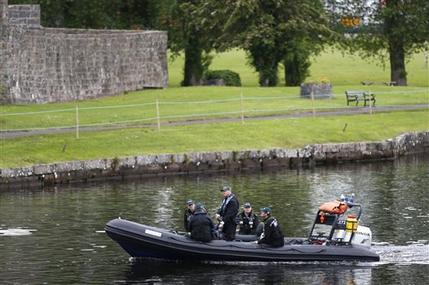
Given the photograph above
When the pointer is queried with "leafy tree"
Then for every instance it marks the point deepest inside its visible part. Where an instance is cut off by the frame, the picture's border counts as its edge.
(396, 27)
(264, 29)
(188, 32)
(301, 45)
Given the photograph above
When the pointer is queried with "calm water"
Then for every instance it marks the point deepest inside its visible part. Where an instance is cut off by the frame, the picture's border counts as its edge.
(55, 236)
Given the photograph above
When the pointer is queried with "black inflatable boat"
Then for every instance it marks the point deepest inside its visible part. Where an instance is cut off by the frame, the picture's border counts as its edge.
(145, 241)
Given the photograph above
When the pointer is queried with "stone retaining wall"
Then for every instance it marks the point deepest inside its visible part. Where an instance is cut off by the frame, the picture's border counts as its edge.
(165, 164)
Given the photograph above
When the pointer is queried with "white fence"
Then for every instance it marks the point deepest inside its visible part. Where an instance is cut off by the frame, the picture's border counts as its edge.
(152, 113)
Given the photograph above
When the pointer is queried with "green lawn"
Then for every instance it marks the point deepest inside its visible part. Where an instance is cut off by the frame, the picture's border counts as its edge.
(177, 103)
(289, 133)
(338, 68)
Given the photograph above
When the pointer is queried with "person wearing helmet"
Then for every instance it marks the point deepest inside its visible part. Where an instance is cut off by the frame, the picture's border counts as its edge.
(200, 225)
(247, 221)
(272, 234)
(189, 211)
(227, 213)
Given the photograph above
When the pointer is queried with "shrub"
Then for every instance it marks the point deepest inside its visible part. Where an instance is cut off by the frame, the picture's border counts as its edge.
(230, 78)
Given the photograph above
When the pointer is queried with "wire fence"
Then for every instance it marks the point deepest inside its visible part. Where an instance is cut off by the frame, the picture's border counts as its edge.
(159, 112)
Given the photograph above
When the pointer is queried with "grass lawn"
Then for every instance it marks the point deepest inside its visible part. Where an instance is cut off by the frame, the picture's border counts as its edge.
(338, 68)
(178, 103)
(289, 133)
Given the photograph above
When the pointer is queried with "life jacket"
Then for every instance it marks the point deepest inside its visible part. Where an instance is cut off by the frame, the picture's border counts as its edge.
(334, 207)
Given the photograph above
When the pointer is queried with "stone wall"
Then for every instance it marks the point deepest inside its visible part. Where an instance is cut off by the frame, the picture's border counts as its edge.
(3, 12)
(187, 163)
(40, 65)
(319, 90)
(28, 15)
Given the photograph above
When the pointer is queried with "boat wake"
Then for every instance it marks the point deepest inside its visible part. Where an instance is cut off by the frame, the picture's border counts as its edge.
(413, 253)
(16, 232)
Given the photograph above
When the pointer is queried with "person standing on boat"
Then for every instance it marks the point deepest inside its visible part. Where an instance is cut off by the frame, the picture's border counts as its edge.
(272, 234)
(200, 225)
(247, 221)
(189, 211)
(227, 213)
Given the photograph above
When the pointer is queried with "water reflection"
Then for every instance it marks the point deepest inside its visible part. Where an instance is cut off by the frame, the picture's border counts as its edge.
(253, 273)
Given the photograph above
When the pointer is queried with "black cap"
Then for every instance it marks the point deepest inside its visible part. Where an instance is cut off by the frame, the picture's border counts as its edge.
(225, 188)
(247, 205)
(200, 207)
(189, 202)
(266, 210)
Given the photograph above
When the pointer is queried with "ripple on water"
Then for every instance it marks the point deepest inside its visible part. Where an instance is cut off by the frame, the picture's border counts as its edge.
(87, 249)
(16, 232)
(416, 252)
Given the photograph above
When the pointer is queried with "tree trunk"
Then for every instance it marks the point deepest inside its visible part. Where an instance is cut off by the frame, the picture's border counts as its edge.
(266, 63)
(194, 69)
(291, 71)
(297, 61)
(296, 69)
(397, 63)
(267, 68)
(268, 76)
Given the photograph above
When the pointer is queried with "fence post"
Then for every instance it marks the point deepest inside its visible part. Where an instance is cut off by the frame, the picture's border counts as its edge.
(157, 115)
(370, 105)
(426, 58)
(241, 107)
(312, 102)
(77, 120)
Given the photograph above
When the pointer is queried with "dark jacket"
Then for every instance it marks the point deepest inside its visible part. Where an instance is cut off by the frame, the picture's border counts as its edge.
(272, 234)
(228, 211)
(201, 227)
(186, 218)
(247, 224)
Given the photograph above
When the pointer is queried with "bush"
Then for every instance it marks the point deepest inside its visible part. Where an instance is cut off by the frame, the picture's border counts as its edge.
(229, 78)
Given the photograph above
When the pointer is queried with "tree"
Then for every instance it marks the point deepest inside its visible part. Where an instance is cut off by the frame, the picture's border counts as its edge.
(187, 38)
(189, 32)
(301, 45)
(396, 27)
(297, 61)
(264, 29)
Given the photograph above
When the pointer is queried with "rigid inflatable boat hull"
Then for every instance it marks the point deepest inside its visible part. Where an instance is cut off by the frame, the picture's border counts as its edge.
(144, 241)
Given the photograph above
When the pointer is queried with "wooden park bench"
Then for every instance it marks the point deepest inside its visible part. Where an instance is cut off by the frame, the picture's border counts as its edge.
(360, 96)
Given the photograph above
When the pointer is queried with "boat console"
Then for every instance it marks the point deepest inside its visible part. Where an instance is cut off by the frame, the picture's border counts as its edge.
(337, 223)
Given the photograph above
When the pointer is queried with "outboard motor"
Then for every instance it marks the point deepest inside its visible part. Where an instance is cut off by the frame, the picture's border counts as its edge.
(362, 236)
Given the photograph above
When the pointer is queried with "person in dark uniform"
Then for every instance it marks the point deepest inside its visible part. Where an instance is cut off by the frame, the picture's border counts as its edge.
(227, 213)
(200, 225)
(272, 234)
(189, 211)
(247, 221)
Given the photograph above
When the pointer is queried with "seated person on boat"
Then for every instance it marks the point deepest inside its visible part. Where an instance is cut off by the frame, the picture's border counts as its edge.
(200, 225)
(247, 221)
(272, 234)
(189, 212)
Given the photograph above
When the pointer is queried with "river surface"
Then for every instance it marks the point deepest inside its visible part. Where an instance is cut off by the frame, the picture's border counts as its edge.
(55, 235)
